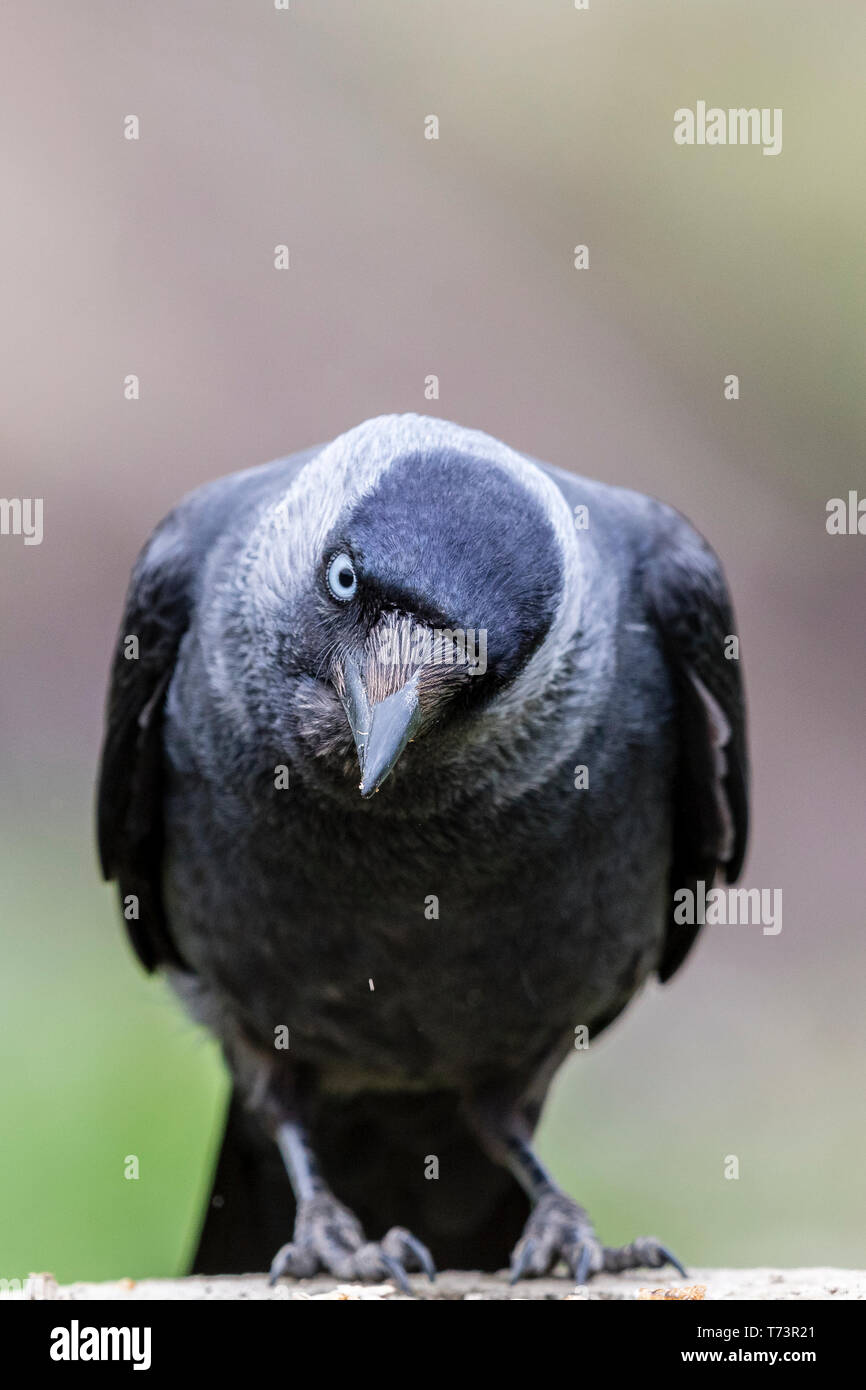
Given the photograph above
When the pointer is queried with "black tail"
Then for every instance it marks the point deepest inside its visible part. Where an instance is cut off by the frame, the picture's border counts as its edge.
(375, 1152)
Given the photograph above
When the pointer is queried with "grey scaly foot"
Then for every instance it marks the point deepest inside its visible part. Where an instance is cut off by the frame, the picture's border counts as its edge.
(329, 1238)
(559, 1229)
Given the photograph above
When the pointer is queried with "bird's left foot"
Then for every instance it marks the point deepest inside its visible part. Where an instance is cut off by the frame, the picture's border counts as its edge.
(559, 1229)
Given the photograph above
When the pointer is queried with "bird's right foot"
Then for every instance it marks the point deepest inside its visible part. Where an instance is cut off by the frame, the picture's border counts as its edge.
(328, 1238)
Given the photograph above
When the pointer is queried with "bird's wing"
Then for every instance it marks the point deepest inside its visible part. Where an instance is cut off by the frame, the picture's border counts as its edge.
(129, 797)
(159, 607)
(686, 598)
(689, 603)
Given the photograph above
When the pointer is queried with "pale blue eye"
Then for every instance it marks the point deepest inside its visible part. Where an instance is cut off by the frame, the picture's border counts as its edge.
(342, 579)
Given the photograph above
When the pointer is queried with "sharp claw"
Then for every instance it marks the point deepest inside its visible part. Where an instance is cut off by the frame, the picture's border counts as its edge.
(520, 1262)
(422, 1255)
(671, 1259)
(277, 1268)
(583, 1264)
(397, 1272)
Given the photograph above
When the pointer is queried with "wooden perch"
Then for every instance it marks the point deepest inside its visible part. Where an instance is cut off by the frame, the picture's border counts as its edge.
(458, 1286)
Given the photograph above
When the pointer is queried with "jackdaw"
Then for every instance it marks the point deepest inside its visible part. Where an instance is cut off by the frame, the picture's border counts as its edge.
(531, 670)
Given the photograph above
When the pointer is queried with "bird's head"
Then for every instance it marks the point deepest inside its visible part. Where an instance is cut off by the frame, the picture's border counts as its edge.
(414, 572)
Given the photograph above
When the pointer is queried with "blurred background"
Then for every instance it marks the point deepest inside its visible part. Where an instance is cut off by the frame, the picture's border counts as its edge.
(452, 257)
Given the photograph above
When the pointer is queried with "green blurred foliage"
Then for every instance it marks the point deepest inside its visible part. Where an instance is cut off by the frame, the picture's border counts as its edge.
(98, 1064)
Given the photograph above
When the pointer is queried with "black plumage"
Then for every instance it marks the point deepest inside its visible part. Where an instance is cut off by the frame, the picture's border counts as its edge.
(431, 948)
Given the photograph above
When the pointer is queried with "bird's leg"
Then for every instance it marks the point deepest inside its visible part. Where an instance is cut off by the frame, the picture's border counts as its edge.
(328, 1236)
(558, 1228)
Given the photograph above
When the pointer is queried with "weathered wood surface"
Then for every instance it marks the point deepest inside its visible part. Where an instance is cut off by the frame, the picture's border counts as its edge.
(761, 1284)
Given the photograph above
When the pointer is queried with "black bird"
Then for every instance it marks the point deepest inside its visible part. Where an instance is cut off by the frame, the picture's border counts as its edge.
(531, 671)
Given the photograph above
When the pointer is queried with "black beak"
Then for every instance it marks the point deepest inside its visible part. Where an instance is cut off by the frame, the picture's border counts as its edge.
(381, 731)
(394, 722)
